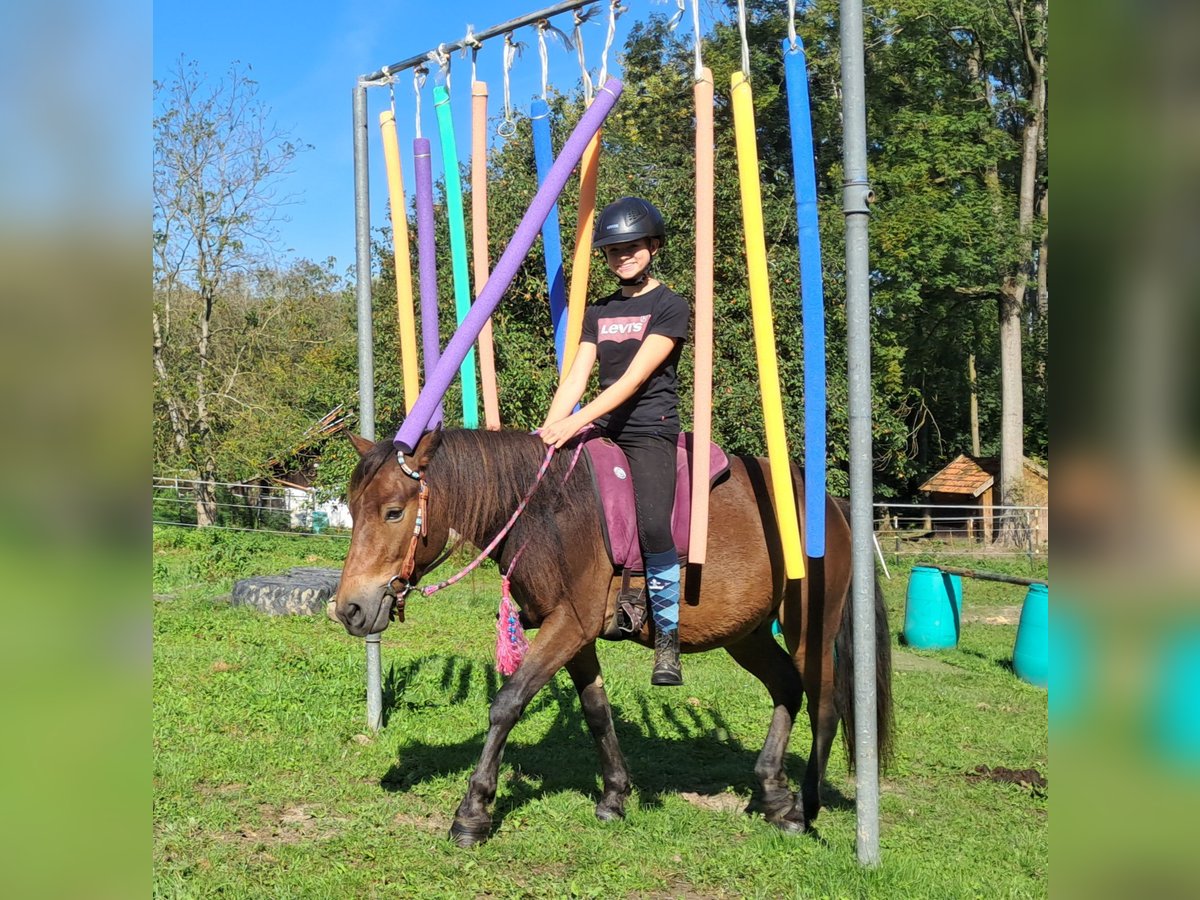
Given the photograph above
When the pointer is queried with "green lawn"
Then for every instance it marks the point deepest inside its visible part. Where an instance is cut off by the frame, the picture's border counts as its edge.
(265, 784)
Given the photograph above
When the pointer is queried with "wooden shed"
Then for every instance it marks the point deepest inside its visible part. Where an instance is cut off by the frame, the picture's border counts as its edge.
(970, 484)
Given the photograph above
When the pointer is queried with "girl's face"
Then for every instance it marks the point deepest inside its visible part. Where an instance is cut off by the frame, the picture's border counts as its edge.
(628, 259)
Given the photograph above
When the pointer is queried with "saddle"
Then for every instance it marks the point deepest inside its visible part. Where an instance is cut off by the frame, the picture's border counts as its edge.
(614, 490)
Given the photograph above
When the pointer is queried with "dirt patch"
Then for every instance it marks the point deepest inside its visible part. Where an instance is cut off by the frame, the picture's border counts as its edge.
(723, 802)
(994, 615)
(221, 666)
(1030, 779)
(290, 825)
(434, 823)
(679, 890)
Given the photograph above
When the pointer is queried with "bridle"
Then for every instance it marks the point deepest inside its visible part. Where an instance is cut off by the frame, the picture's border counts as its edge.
(399, 585)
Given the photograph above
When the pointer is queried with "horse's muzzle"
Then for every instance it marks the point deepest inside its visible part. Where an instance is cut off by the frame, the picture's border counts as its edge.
(360, 620)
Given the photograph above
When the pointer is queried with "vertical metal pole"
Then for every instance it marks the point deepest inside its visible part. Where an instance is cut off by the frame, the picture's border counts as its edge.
(856, 193)
(366, 353)
(362, 273)
(374, 683)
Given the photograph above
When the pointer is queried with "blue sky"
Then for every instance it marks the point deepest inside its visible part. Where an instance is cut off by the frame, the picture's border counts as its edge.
(307, 56)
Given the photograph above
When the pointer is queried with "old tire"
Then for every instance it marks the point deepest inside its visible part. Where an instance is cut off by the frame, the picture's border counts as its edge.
(297, 592)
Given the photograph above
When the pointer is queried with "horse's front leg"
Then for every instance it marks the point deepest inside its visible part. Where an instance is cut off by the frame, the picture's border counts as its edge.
(585, 673)
(558, 640)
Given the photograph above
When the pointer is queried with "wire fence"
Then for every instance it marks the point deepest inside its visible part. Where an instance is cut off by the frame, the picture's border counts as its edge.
(925, 529)
(278, 509)
(901, 529)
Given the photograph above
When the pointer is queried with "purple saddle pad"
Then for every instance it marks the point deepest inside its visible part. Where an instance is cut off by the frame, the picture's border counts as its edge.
(614, 488)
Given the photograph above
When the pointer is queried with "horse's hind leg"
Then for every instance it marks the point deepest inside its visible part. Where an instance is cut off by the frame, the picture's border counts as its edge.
(762, 657)
(558, 641)
(585, 673)
(823, 716)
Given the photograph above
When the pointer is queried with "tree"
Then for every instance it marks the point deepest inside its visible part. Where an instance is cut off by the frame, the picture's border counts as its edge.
(1029, 18)
(218, 166)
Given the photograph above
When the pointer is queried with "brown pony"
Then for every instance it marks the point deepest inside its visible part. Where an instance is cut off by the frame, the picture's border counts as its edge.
(565, 585)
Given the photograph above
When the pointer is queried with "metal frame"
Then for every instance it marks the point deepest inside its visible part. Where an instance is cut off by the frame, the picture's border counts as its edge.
(856, 198)
(496, 30)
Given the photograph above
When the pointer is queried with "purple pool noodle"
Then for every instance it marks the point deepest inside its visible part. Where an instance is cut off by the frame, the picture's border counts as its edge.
(506, 267)
(427, 263)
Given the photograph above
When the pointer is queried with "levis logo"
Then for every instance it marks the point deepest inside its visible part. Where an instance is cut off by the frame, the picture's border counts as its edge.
(624, 328)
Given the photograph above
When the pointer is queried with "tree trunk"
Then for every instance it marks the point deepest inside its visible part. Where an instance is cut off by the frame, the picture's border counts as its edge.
(206, 496)
(1012, 292)
(975, 449)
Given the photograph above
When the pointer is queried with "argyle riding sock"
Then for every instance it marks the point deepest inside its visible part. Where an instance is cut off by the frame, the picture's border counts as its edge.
(662, 582)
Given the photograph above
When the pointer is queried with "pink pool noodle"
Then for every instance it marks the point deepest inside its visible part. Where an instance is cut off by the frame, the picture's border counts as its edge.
(506, 268)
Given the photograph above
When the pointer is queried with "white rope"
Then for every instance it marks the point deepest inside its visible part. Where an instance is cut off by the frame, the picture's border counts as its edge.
(543, 26)
(792, 23)
(696, 37)
(585, 77)
(615, 9)
(474, 44)
(442, 58)
(678, 17)
(541, 33)
(512, 49)
(745, 43)
(419, 75)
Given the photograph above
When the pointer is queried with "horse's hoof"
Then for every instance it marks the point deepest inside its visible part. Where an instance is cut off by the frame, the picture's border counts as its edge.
(790, 822)
(609, 812)
(467, 836)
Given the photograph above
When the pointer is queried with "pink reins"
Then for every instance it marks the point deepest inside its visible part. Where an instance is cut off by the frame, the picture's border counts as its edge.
(429, 590)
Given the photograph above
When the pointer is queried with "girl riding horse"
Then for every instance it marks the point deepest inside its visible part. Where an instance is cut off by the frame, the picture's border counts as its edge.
(637, 334)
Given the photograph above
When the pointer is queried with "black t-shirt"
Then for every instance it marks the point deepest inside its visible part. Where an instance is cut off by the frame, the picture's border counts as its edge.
(617, 325)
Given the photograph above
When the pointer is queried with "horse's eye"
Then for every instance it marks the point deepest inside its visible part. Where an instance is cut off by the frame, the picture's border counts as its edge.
(394, 514)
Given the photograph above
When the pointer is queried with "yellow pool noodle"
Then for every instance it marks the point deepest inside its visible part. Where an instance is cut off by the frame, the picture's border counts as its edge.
(764, 329)
(404, 292)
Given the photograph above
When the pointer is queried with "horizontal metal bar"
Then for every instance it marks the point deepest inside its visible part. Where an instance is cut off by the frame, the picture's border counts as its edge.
(994, 576)
(502, 28)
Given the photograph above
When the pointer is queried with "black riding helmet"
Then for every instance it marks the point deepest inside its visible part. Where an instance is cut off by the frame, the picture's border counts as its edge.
(628, 219)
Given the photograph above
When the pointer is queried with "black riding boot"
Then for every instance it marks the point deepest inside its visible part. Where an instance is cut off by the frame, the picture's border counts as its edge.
(666, 658)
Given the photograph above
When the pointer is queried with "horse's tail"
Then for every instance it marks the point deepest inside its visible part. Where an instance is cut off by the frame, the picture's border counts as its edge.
(843, 679)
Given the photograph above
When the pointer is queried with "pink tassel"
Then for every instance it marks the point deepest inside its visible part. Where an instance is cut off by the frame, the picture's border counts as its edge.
(511, 642)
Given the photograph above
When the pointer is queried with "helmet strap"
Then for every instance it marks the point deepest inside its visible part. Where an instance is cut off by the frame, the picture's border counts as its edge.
(637, 281)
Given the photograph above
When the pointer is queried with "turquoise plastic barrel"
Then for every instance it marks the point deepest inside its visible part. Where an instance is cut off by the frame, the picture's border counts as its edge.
(1031, 655)
(933, 609)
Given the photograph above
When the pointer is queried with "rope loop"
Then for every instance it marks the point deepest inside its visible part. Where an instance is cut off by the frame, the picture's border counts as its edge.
(475, 45)
(589, 89)
(512, 49)
(696, 38)
(615, 11)
(420, 73)
(745, 42)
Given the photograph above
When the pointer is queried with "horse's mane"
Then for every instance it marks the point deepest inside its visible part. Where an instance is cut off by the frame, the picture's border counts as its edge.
(478, 478)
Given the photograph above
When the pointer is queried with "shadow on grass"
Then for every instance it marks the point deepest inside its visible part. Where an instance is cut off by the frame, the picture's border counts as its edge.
(565, 759)
(455, 673)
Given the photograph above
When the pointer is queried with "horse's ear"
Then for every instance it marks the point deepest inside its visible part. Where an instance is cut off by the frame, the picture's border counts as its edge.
(426, 447)
(361, 444)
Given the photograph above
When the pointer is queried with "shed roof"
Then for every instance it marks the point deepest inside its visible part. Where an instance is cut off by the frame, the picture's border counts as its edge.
(972, 475)
(962, 475)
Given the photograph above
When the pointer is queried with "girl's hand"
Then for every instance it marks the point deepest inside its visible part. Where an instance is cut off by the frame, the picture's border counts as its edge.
(558, 433)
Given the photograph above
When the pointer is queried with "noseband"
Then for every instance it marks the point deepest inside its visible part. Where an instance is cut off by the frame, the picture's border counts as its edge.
(398, 586)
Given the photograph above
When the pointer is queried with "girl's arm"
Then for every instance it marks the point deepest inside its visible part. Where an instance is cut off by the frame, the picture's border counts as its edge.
(572, 386)
(653, 353)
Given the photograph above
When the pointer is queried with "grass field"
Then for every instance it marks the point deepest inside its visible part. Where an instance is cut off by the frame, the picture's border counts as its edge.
(265, 784)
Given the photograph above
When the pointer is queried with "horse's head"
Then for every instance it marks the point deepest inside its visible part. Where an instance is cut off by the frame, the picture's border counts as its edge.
(390, 548)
